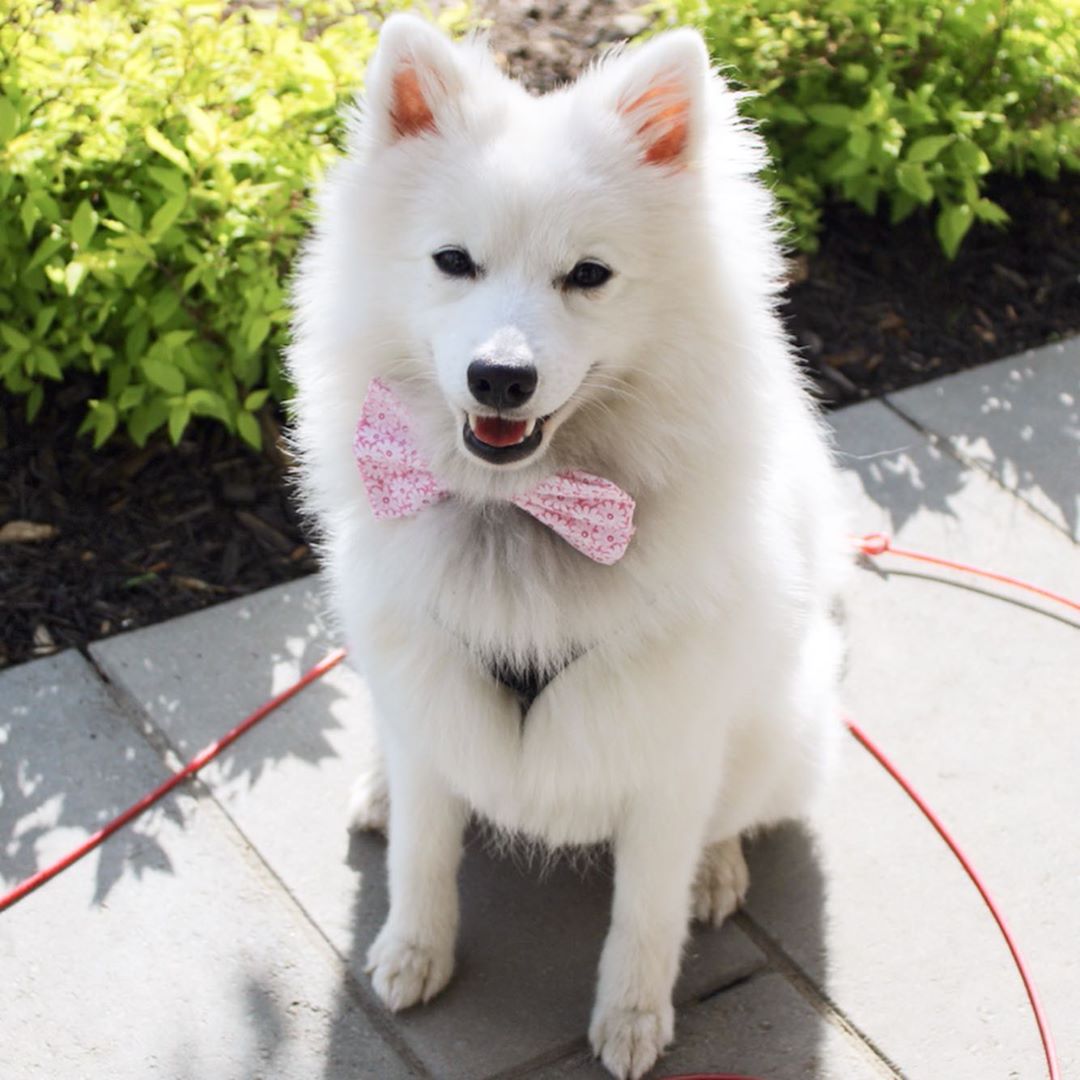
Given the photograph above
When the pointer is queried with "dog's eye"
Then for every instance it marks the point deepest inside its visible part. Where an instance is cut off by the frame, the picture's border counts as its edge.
(588, 274)
(455, 262)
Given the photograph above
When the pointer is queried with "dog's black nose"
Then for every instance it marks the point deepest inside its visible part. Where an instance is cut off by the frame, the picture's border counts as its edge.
(501, 386)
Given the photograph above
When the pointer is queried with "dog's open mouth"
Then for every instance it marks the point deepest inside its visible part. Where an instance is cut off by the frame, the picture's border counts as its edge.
(500, 440)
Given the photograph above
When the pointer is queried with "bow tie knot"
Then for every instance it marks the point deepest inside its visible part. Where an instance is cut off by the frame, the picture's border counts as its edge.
(590, 513)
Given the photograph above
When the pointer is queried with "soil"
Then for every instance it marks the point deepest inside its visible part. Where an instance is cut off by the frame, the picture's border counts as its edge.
(128, 537)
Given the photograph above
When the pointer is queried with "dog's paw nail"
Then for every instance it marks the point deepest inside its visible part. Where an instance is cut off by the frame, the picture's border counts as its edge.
(369, 804)
(721, 882)
(629, 1041)
(404, 973)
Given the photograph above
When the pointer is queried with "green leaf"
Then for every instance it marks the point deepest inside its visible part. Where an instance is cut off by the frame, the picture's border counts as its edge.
(44, 319)
(45, 251)
(255, 400)
(74, 273)
(166, 376)
(207, 403)
(863, 191)
(164, 304)
(47, 363)
(34, 401)
(179, 415)
(104, 420)
(952, 225)
(83, 224)
(8, 362)
(169, 179)
(249, 429)
(785, 111)
(987, 210)
(125, 209)
(257, 331)
(29, 215)
(165, 215)
(146, 419)
(15, 338)
(156, 141)
(49, 207)
(903, 206)
(913, 179)
(9, 119)
(130, 397)
(858, 143)
(175, 339)
(971, 157)
(927, 148)
(837, 116)
(191, 278)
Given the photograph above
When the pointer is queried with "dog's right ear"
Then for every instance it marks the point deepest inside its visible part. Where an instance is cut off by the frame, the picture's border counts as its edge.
(413, 80)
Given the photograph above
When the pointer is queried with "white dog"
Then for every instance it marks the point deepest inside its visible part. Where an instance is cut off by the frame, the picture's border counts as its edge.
(580, 283)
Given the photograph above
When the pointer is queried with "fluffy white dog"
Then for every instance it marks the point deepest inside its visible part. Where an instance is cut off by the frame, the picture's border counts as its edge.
(584, 282)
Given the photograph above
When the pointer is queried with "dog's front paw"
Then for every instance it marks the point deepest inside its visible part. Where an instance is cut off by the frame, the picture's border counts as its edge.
(721, 882)
(405, 972)
(629, 1040)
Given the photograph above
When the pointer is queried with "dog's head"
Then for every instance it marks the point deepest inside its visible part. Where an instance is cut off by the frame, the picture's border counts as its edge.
(531, 256)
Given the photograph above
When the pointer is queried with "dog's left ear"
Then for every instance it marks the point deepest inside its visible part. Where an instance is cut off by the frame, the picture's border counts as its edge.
(660, 92)
(413, 80)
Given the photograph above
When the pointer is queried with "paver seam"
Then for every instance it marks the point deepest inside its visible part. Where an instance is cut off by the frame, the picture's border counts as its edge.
(541, 1061)
(734, 983)
(579, 1046)
(816, 997)
(160, 743)
(944, 443)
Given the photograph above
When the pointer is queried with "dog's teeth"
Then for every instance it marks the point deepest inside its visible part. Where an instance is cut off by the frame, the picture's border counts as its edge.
(530, 426)
(472, 422)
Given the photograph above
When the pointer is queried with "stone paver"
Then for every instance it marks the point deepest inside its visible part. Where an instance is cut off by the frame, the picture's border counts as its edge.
(170, 952)
(762, 1028)
(976, 700)
(1018, 418)
(863, 952)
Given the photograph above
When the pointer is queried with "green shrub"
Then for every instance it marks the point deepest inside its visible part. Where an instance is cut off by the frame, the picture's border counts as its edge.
(154, 156)
(909, 101)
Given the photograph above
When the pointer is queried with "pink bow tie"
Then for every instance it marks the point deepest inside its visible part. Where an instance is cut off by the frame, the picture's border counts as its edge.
(589, 513)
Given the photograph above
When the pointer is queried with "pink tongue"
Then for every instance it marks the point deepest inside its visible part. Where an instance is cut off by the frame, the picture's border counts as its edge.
(495, 431)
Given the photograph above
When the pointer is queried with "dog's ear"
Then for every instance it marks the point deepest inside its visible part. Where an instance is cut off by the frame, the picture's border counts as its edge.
(414, 76)
(660, 92)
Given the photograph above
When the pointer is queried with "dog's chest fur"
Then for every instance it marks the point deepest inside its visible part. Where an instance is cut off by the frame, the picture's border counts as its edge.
(518, 597)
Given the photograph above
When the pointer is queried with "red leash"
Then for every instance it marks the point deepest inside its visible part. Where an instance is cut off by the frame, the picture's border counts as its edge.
(873, 544)
(879, 544)
(1021, 966)
(203, 757)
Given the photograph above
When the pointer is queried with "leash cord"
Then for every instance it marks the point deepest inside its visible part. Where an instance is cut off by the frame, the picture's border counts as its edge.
(203, 757)
(872, 544)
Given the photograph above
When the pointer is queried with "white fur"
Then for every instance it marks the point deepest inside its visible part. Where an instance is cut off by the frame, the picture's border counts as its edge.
(701, 702)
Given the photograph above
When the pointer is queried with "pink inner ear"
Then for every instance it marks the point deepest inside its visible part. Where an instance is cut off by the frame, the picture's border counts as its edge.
(665, 128)
(410, 113)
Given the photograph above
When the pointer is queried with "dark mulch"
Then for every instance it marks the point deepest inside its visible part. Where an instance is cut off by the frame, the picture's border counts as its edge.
(880, 309)
(140, 536)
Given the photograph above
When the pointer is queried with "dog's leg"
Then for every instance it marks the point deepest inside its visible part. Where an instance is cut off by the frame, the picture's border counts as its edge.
(369, 800)
(721, 881)
(656, 850)
(412, 958)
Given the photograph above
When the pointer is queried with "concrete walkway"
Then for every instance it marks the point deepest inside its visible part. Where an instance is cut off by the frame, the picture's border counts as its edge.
(223, 935)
